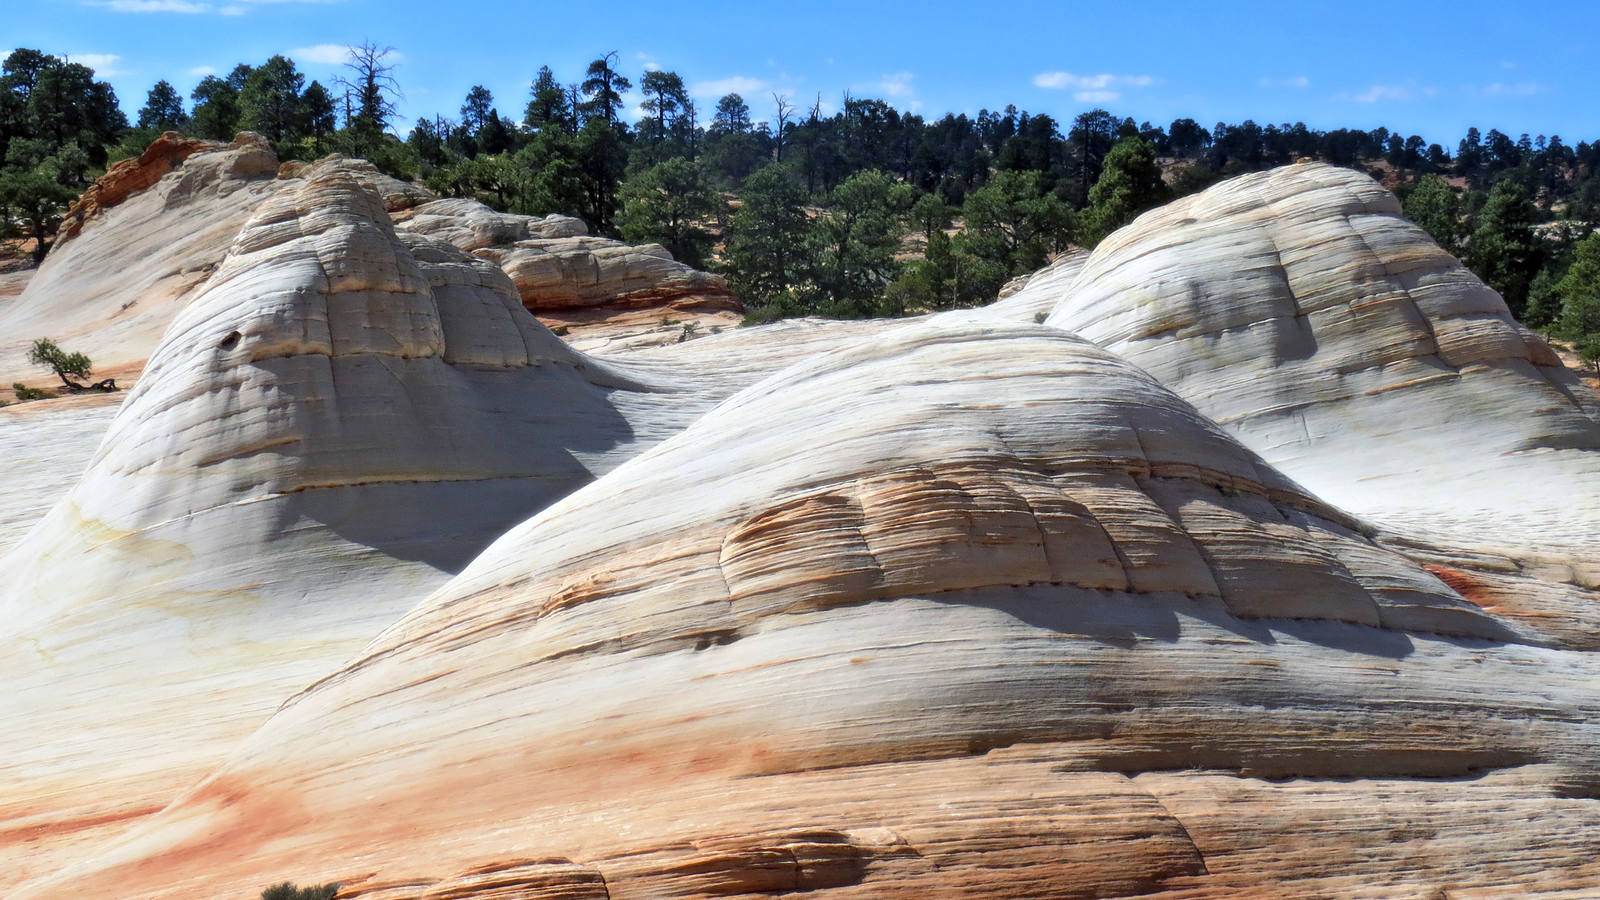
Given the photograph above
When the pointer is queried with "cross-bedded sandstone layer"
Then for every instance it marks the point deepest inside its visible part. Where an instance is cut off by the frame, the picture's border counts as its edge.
(966, 605)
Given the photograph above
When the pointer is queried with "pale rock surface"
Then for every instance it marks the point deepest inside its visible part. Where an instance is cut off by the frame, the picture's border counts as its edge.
(129, 176)
(398, 196)
(1029, 297)
(12, 283)
(573, 280)
(472, 226)
(46, 444)
(970, 578)
(1299, 310)
(141, 243)
(110, 291)
(338, 420)
(957, 606)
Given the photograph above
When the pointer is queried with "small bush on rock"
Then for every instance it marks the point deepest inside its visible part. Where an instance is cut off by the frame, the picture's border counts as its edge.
(24, 392)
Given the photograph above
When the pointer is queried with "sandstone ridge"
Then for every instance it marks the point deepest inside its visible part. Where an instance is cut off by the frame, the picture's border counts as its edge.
(338, 419)
(1175, 595)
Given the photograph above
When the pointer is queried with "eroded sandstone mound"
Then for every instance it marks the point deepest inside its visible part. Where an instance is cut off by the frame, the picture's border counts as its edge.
(1298, 309)
(130, 176)
(927, 660)
(338, 420)
(967, 605)
(143, 240)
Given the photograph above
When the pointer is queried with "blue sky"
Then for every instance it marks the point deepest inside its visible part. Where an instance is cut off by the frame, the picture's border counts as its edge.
(1418, 68)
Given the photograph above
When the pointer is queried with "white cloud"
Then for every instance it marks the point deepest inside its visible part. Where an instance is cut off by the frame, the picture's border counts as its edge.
(742, 85)
(157, 6)
(193, 7)
(202, 71)
(897, 85)
(103, 64)
(326, 54)
(1060, 81)
(1091, 88)
(1377, 92)
(1521, 89)
(1299, 81)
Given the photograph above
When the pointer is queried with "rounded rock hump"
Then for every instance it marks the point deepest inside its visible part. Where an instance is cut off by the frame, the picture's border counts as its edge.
(1299, 310)
(338, 420)
(323, 337)
(472, 226)
(895, 619)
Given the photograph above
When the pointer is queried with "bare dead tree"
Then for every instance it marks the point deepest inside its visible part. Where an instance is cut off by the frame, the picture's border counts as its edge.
(372, 86)
(575, 103)
(785, 110)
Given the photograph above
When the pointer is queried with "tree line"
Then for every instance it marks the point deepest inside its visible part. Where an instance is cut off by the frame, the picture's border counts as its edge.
(848, 210)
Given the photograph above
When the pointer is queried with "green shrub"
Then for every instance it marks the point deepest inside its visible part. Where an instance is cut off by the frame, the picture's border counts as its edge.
(24, 392)
(45, 353)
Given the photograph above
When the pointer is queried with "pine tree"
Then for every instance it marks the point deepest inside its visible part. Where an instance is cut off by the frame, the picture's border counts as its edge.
(1504, 250)
(1130, 183)
(163, 109)
(1436, 208)
(548, 107)
(604, 87)
(667, 204)
(763, 254)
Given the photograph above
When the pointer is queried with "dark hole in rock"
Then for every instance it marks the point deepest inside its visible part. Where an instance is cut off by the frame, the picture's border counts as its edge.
(231, 341)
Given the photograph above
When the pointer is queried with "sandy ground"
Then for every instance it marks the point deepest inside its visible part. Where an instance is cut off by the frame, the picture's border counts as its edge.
(1586, 371)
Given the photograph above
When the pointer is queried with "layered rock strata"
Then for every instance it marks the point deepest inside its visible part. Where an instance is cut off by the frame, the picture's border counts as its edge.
(960, 606)
(572, 279)
(338, 420)
(1300, 311)
(926, 660)
(130, 176)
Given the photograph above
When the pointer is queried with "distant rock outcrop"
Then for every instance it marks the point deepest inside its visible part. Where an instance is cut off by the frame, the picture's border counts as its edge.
(558, 267)
(472, 226)
(251, 157)
(147, 235)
